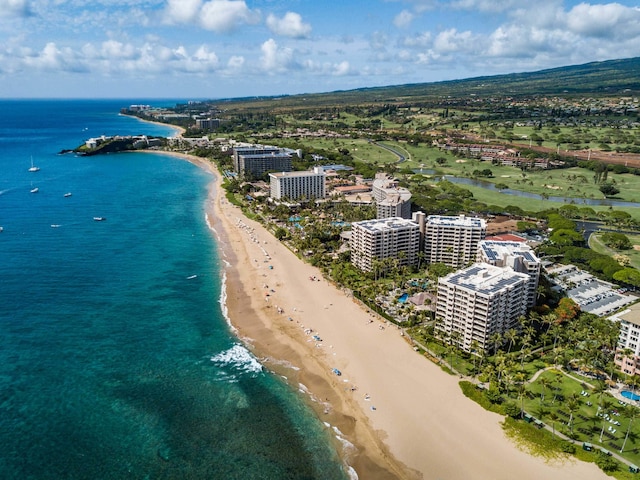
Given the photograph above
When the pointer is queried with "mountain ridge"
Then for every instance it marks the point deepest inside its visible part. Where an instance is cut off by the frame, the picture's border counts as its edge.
(609, 77)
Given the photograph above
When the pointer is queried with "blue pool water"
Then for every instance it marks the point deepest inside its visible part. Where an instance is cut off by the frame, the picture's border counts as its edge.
(403, 298)
(630, 395)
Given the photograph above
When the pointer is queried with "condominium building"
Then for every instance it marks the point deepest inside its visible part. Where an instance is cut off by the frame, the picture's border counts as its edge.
(628, 348)
(453, 240)
(251, 150)
(391, 199)
(477, 302)
(376, 240)
(517, 256)
(256, 165)
(207, 123)
(298, 185)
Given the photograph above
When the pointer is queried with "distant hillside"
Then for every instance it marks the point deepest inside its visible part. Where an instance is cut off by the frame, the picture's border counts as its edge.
(611, 77)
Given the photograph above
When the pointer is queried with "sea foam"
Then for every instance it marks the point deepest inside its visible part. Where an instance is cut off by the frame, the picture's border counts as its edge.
(239, 358)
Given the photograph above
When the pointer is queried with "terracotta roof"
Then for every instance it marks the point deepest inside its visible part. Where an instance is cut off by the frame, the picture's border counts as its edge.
(507, 237)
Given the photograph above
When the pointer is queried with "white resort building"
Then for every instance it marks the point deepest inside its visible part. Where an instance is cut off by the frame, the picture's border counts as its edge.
(477, 302)
(391, 199)
(628, 349)
(254, 161)
(298, 185)
(517, 256)
(377, 240)
(453, 240)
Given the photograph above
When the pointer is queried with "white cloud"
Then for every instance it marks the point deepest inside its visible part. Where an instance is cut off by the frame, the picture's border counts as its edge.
(291, 25)
(220, 16)
(14, 8)
(487, 5)
(421, 40)
(452, 41)
(113, 49)
(182, 11)
(422, 5)
(234, 64)
(275, 59)
(608, 20)
(113, 57)
(403, 19)
(226, 15)
(51, 58)
(343, 68)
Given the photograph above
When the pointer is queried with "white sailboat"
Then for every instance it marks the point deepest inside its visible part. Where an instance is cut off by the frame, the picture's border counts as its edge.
(34, 189)
(33, 168)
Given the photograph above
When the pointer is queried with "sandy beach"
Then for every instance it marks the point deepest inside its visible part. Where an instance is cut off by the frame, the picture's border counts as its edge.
(404, 416)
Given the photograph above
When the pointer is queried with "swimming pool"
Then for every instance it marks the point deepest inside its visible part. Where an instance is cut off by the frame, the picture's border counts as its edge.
(630, 395)
(403, 298)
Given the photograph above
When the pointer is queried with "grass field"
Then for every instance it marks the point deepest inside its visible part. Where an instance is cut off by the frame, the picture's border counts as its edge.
(595, 243)
(587, 425)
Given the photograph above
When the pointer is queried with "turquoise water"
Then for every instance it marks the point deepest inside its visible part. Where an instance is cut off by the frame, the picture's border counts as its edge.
(116, 360)
(403, 298)
(630, 395)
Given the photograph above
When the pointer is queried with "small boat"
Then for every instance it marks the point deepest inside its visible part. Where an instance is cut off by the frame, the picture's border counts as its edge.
(68, 194)
(55, 225)
(191, 277)
(33, 168)
(1, 229)
(99, 219)
(35, 190)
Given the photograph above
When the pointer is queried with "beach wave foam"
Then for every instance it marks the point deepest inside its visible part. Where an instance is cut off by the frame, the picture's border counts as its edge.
(239, 358)
(223, 302)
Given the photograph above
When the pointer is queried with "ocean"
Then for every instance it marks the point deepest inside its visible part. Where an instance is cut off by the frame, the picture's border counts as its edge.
(116, 360)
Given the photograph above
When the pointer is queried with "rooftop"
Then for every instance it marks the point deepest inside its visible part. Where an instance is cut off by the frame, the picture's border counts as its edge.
(495, 250)
(631, 315)
(380, 225)
(485, 279)
(459, 221)
(304, 173)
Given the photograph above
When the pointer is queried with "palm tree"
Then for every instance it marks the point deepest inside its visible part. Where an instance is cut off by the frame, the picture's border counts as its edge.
(522, 390)
(545, 339)
(605, 404)
(556, 331)
(511, 335)
(496, 339)
(573, 405)
(553, 416)
(555, 383)
(630, 412)
(544, 383)
(599, 390)
(474, 349)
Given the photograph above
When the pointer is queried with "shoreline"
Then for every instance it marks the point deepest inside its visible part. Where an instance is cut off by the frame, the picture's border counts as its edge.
(178, 129)
(404, 416)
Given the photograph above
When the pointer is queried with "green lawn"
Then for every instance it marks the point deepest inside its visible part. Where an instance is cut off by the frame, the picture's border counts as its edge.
(587, 425)
(596, 244)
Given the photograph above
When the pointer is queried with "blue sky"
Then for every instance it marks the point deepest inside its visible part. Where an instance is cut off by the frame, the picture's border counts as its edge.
(235, 48)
